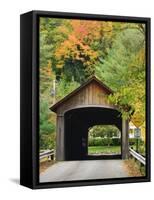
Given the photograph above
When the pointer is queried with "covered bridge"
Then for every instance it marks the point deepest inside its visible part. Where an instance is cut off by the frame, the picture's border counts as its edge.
(83, 108)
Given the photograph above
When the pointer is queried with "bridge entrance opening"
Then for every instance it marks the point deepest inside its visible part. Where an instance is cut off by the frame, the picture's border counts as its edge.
(104, 140)
(78, 125)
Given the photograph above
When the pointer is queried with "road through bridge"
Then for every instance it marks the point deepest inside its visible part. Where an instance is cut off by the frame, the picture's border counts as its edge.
(84, 170)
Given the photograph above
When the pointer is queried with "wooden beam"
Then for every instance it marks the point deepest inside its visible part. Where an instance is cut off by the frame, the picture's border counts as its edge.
(60, 143)
(125, 141)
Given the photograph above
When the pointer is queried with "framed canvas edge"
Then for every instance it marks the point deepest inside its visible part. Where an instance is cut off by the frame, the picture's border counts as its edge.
(35, 105)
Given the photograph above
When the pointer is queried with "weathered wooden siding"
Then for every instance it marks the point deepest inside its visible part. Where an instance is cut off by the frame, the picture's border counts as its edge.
(92, 94)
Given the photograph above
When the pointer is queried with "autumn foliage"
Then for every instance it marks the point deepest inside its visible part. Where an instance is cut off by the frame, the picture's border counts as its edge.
(72, 50)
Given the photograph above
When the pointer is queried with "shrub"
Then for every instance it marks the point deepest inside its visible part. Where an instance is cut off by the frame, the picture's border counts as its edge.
(116, 141)
(97, 141)
(93, 141)
(132, 141)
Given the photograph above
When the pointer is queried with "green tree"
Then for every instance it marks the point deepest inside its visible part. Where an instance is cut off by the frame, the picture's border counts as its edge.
(64, 87)
(104, 131)
(47, 128)
(124, 71)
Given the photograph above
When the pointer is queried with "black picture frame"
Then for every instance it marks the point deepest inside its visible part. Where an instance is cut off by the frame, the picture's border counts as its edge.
(29, 99)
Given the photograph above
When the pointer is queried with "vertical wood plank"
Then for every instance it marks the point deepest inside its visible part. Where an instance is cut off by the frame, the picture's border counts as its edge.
(125, 141)
(60, 146)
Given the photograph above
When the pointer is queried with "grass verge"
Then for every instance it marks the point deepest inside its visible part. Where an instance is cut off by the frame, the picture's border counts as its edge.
(44, 165)
(104, 149)
(133, 168)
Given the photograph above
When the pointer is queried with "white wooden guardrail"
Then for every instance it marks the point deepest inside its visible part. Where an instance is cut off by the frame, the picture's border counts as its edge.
(48, 153)
(137, 156)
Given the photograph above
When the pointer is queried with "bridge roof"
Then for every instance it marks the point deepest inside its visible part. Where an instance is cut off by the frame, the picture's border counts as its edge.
(74, 92)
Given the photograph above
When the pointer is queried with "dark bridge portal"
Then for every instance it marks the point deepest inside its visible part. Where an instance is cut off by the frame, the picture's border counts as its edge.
(77, 123)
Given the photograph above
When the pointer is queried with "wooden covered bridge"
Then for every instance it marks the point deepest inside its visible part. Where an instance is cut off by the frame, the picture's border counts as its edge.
(83, 108)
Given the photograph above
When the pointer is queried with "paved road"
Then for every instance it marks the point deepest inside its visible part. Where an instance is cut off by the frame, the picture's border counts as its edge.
(84, 170)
